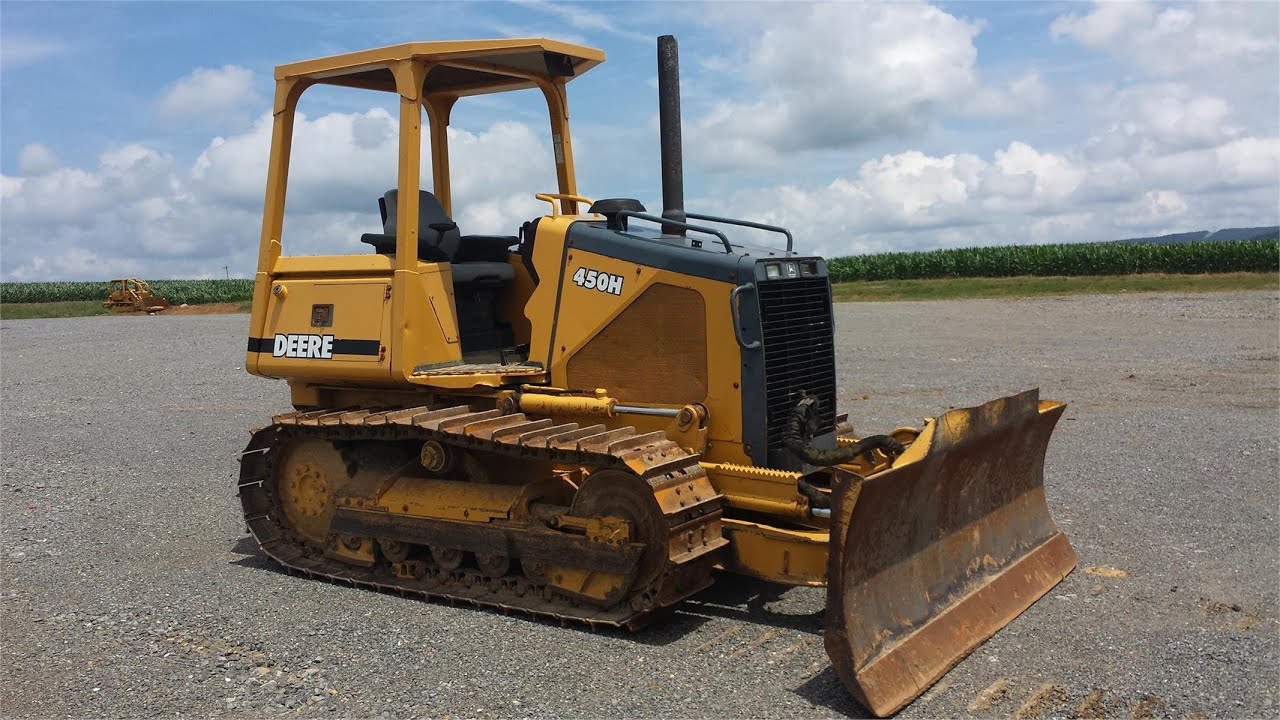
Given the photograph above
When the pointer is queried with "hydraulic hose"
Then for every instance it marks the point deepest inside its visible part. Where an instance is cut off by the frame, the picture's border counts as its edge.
(817, 498)
(803, 423)
(799, 431)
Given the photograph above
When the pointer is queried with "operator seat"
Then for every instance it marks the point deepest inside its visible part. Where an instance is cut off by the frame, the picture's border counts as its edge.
(479, 265)
(474, 258)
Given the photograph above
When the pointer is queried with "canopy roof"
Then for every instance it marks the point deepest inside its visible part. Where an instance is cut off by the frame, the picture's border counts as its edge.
(461, 67)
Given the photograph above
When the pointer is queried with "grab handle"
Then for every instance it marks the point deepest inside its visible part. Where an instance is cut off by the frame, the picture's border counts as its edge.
(558, 200)
(735, 315)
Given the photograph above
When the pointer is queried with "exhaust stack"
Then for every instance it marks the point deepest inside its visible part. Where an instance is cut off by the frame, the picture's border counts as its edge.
(669, 130)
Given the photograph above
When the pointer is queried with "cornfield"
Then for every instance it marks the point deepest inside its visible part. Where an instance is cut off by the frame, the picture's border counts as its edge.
(1192, 258)
(177, 292)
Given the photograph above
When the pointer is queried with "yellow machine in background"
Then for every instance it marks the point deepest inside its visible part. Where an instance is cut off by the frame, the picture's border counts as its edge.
(587, 419)
(132, 294)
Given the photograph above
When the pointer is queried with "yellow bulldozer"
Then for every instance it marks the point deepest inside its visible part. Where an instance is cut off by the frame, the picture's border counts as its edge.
(133, 295)
(590, 419)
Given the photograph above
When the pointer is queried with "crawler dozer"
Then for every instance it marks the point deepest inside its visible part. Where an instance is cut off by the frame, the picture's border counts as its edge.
(132, 294)
(590, 419)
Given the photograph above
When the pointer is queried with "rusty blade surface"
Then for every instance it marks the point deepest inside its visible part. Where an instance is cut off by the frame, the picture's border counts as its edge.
(932, 557)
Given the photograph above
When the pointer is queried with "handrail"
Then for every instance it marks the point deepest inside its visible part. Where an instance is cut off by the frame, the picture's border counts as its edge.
(745, 223)
(557, 198)
(665, 221)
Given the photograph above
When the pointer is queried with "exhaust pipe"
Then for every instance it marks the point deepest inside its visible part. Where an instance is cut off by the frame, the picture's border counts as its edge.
(669, 130)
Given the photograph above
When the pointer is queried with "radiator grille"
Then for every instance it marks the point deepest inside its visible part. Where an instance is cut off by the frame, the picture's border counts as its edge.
(799, 351)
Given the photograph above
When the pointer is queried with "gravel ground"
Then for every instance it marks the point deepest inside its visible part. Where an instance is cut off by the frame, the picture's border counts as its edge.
(129, 588)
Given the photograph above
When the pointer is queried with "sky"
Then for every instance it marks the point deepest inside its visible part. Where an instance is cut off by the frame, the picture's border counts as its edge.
(134, 136)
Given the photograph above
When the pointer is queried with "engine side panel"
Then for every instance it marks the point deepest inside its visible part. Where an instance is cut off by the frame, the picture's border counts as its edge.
(668, 337)
(662, 337)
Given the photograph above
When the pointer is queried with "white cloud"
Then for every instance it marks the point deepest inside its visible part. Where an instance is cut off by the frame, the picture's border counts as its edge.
(912, 188)
(1239, 164)
(1052, 178)
(1157, 117)
(1068, 227)
(837, 75)
(211, 95)
(1019, 195)
(1249, 162)
(36, 159)
(124, 216)
(1023, 93)
(1107, 25)
(340, 161)
(343, 162)
(496, 174)
(1176, 39)
(140, 212)
(1154, 208)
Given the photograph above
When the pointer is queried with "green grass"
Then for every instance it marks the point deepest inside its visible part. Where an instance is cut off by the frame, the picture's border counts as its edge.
(72, 308)
(957, 288)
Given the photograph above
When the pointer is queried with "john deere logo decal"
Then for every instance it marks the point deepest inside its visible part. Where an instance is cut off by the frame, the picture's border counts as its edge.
(303, 346)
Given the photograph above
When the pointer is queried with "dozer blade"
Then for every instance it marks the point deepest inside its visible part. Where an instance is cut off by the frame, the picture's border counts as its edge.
(931, 557)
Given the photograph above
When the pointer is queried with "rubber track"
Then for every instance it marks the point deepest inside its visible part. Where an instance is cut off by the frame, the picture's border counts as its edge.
(690, 503)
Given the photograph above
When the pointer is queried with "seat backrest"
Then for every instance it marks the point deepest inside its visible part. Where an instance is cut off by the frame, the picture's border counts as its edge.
(429, 211)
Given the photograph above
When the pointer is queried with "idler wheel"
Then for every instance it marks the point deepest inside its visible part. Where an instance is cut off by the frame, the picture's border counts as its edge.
(309, 473)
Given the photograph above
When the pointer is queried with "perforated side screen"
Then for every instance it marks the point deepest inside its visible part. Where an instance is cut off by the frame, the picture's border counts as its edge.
(653, 351)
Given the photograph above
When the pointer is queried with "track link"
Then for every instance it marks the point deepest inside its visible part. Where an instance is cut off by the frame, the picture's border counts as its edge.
(691, 506)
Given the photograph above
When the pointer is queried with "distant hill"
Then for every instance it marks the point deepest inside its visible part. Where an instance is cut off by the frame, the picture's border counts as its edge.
(1246, 233)
(1204, 235)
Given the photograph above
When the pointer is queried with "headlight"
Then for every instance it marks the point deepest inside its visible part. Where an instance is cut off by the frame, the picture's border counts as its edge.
(773, 271)
(793, 269)
(809, 267)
